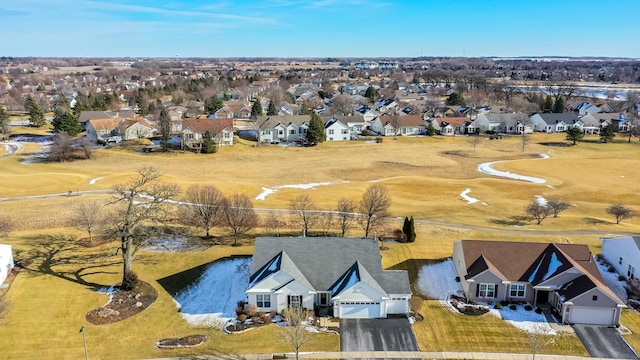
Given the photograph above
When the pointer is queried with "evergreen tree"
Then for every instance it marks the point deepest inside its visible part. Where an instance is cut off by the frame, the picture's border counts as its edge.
(430, 129)
(213, 104)
(371, 94)
(607, 134)
(406, 230)
(558, 106)
(574, 134)
(315, 133)
(256, 109)
(209, 146)
(548, 104)
(272, 109)
(67, 122)
(455, 99)
(164, 121)
(412, 226)
(36, 114)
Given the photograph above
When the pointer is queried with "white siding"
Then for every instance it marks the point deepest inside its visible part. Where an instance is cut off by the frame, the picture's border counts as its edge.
(620, 253)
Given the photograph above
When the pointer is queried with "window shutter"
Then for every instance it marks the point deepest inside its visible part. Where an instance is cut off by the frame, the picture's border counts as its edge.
(495, 291)
(477, 289)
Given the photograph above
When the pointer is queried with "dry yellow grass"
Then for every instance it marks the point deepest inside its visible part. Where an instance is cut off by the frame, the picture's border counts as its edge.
(425, 177)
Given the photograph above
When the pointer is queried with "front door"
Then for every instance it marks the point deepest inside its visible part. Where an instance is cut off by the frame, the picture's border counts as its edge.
(543, 297)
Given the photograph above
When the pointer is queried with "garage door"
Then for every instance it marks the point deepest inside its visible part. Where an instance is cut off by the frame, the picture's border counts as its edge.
(397, 306)
(359, 310)
(589, 315)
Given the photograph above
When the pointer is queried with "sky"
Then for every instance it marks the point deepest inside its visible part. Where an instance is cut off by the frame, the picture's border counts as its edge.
(319, 28)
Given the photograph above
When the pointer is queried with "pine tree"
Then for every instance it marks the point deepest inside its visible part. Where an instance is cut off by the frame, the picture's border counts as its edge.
(272, 109)
(256, 109)
(213, 104)
(548, 104)
(607, 134)
(315, 133)
(208, 144)
(430, 129)
(412, 226)
(574, 134)
(36, 114)
(406, 230)
(165, 127)
(558, 106)
(67, 122)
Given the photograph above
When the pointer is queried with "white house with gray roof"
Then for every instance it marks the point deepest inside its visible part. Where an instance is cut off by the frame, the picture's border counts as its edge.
(623, 253)
(553, 122)
(340, 277)
(282, 129)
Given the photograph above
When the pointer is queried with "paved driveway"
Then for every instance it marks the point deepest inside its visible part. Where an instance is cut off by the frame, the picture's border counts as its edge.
(377, 335)
(604, 342)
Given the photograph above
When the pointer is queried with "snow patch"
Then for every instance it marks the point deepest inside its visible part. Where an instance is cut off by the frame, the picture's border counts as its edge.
(214, 296)
(468, 198)
(93, 181)
(526, 320)
(541, 201)
(487, 168)
(611, 280)
(438, 281)
(268, 191)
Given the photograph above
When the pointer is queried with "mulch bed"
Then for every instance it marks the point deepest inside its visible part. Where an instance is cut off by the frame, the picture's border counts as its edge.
(124, 304)
(468, 309)
(183, 342)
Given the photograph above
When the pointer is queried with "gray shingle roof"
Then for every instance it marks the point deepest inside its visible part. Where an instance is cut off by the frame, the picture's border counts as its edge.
(324, 260)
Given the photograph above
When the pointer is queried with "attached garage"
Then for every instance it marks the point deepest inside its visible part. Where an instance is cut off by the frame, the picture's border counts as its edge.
(591, 315)
(359, 310)
(399, 305)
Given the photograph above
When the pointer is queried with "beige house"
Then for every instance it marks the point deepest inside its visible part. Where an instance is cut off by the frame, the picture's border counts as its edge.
(562, 277)
(193, 131)
(117, 129)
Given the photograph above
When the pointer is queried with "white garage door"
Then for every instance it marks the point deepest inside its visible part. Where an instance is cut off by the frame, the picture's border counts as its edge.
(397, 306)
(589, 315)
(359, 310)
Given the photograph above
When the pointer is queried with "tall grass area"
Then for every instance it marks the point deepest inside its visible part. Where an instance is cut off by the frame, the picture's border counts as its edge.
(46, 304)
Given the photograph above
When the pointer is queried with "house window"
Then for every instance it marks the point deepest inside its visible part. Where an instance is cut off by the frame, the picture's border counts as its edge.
(263, 301)
(344, 131)
(594, 298)
(487, 290)
(266, 132)
(323, 298)
(330, 131)
(295, 301)
(517, 290)
(280, 132)
(620, 261)
(631, 272)
(226, 135)
(292, 132)
(189, 136)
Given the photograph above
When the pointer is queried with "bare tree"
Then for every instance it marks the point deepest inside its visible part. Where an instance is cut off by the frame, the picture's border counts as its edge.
(86, 146)
(346, 215)
(474, 142)
(557, 206)
(5, 226)
(620, 212)
(304, 211)
(141, 208)
(395, 124)
(295, 334)
(239, 215)
(326, 220)
(273, 223)
(205, 207)
(537, 211)
(374, 206)
(342, 104)
(62, 147)
(561, 89)
(525, 139)
(88, 216)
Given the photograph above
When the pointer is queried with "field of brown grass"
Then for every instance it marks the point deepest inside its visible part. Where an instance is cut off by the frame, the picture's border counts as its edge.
(425, 177)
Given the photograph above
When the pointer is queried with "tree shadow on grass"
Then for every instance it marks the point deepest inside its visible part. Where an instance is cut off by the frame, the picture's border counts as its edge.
(594, 221)
(516, 220)
(62, 257)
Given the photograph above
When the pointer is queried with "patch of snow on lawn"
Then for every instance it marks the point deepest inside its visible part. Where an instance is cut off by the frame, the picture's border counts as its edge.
(268, 191)
(438, 281)
(526, 320)
(212, 299)
(541, 201)
(611, 280)
(93, 181)
(487, 168)
(468, 198)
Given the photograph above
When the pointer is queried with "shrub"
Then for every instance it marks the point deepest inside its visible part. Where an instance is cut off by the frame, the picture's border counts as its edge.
(252, 310)
(266, 318)
(538, 310)
(399, 236)
(528, 307)
(611, 269)
(239, 310)
(504, 303)
(241, 303)
(379, 139)
(497, 306)
(273, 313)
(242, 317)
(255, 319)
(621, 278)
(512, 306)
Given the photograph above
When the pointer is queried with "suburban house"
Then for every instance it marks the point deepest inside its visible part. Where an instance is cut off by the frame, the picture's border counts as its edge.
(277, 129)
(588, 124)
(450, 126)
(407, 125)
(6, 262)
(116, 129)
(623, 253)
(336, 130)
(85, 116)
(340, 277)
(356, 126)
(515, 123)
(553, 122)
(585, 108)
(234, 111)
(564, 277)
(193, 131)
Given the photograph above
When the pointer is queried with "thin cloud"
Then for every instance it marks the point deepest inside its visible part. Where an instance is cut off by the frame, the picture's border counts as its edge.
(4, 12)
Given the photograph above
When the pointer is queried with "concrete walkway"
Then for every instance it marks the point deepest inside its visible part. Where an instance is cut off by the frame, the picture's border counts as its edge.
(387, 355)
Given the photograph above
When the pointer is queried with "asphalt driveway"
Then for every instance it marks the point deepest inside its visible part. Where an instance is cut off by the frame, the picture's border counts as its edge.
(377, 335)
(604, 342)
